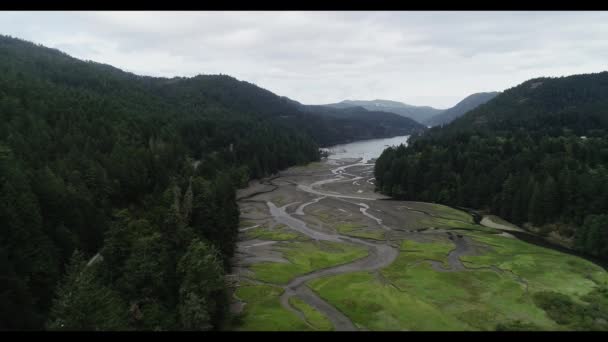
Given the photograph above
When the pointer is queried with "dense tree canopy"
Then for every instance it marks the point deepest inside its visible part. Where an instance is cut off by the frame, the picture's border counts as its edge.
(537, 153)
(138, 173)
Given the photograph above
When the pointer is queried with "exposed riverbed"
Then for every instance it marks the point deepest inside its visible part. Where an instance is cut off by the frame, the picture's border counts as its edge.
(333, 201)
(313, 191)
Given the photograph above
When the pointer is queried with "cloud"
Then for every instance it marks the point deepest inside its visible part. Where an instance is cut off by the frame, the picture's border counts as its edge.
(421, 58)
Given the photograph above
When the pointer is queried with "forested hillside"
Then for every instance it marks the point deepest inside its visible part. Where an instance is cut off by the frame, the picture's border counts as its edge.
(117, 191)
(326, 126)
(536, 154)
(361, 124)
(468, 103)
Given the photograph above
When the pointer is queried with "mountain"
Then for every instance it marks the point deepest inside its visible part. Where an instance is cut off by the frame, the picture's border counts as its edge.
(138, 173)
(118, 190)
(470, 102)
(327, 126)
(536, 154)
(541, 105)
(417, 113)
(425, 115)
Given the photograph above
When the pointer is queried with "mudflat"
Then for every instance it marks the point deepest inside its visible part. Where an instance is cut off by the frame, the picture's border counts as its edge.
(319, 249)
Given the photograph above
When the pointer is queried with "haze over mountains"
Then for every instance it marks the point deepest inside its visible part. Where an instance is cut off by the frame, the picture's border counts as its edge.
(418, 113)
(425, 115)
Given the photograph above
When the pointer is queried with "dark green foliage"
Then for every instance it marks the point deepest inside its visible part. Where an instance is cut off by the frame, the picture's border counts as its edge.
(361, 124)
(84, 303)
(16, 300)
(592, 314)
(28, 254)
(135, 168)
(536, 153)
(536, 214)
(592, 236)
(201, 293)
(148, 270)
(559, 307)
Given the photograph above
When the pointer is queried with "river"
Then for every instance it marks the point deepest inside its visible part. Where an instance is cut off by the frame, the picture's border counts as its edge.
(365, 149)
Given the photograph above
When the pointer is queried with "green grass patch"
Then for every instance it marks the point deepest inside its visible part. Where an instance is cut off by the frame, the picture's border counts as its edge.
(278, 233)
(450, 213)
(430, 248)
(264, 312)
(454, 224)
(313, 165)
(416, 297)
(357, 230)
(480, 300)
(543, 268)
(376, 306)
(306, 257)
(414, 252)
(314, 317)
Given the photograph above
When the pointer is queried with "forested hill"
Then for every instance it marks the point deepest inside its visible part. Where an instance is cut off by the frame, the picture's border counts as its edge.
(537, 155)
(360, 123)
(117, 191)
(578, 103)
(326, 126)
(468, 103)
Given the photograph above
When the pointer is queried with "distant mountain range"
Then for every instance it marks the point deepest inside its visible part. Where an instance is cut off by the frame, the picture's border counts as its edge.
(369, 123)
(351, 123)
(419, 114)
(425, 115)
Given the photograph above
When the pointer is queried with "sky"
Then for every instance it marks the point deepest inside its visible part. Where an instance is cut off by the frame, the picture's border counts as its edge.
(419, 58)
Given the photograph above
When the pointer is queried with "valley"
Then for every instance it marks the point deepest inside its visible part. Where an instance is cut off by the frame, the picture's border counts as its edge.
(320, 250)
(164, 194)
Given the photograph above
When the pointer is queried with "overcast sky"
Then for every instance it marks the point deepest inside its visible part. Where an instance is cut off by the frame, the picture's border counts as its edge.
(420, 58)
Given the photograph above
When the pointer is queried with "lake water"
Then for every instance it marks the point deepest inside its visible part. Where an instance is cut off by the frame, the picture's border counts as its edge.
(366, 149)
